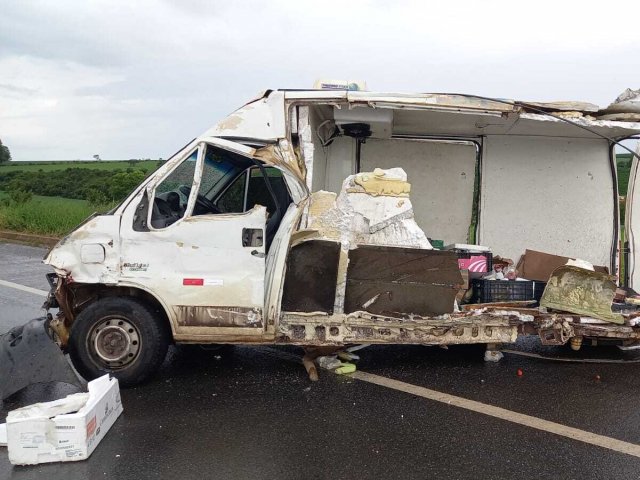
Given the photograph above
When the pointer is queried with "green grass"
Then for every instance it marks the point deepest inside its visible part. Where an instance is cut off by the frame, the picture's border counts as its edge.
(148, 165)
(623, 163)
(45, 215)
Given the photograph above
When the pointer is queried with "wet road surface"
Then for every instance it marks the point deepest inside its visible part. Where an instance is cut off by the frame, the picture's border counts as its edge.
(243, 412)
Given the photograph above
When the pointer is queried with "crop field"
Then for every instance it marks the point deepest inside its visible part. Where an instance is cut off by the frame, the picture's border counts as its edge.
(624, 168)
(45, 215)
(148, 165)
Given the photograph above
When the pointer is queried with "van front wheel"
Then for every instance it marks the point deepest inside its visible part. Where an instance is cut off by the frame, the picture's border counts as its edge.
(120, 336)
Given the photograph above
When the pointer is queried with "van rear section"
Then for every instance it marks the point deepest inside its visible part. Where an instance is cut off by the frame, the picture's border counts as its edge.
(504, 193)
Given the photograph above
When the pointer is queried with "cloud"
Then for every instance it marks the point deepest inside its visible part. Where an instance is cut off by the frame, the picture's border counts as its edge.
(139, 79)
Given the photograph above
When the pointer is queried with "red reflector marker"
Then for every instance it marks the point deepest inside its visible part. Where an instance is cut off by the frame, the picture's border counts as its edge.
(193, 281)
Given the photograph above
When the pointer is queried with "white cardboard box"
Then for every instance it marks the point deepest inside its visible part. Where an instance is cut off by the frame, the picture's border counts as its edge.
(64, 430)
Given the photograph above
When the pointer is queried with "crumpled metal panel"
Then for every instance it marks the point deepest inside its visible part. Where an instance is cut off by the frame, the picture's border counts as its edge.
(28, 355)
(262, 119)
(627, 102)
(576, 290)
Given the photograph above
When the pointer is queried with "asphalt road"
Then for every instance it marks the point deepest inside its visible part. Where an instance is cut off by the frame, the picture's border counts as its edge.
(252, 412)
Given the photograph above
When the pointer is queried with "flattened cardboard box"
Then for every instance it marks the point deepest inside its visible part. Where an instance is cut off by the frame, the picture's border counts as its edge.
(539, 266)
(64, 430)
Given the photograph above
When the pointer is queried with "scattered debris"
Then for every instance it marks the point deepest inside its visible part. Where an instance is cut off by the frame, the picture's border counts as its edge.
(345, 368)
(519, 372)
(329, 362)
(493, 355)
(585, 292)
(534, 265)
(367, 212)
(348, 356)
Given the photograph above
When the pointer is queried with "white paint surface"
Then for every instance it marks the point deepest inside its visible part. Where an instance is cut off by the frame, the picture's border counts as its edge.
(260, 119)
(554, 195)
(340, 163)
(204, 246)
(441, 177)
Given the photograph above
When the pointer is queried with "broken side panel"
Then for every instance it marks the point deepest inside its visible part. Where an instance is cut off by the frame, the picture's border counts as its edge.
(310, 282)
(401, 281)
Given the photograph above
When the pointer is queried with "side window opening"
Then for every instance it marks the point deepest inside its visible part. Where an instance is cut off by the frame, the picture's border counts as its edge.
(229, 183)
(221, 186)
(258, 193)
(172, 194)
(250, 189)
(232, 199)
(241, 196)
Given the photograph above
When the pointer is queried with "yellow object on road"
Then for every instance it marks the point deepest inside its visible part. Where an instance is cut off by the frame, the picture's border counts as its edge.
(345, 368)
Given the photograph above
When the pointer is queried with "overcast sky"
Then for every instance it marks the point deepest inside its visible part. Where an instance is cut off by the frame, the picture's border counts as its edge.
(140, 79)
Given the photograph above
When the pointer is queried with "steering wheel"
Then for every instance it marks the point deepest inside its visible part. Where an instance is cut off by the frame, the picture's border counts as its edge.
(201, 200)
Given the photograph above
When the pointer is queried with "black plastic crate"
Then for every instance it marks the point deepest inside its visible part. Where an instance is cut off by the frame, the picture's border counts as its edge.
(488, 291)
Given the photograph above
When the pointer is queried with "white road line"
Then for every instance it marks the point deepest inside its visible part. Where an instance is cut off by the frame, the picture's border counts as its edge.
(24, 288)
(485, 409)
(503, 414)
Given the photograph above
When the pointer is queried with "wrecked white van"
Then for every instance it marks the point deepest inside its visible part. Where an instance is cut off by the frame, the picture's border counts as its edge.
(310, 217)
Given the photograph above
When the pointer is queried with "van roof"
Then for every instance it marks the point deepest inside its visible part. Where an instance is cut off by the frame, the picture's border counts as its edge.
(447, 114)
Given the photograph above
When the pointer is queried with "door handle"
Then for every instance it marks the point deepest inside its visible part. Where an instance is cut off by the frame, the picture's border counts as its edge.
(258, 254)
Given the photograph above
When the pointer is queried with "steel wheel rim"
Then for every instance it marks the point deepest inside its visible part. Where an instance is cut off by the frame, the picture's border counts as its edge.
(115, 342)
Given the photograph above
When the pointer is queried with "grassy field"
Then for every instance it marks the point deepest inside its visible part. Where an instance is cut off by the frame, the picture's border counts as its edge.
(148, 165)
(45, 215)
(623, 161)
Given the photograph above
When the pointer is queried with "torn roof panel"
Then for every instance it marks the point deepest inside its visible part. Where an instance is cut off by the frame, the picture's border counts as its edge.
(565, 106)
(608, 128)
(459, 100)
(261, 119)
(627, 102)
(439, 114)
(469, 115)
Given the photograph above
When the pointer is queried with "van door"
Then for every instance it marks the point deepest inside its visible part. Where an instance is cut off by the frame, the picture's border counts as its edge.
(202, 248)
(632, 225)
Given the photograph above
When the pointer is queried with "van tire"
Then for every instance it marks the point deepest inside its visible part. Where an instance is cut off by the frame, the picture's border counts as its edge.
(120, 336)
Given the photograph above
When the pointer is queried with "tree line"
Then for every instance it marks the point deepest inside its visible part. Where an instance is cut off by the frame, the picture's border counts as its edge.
(5, 154)
(99, 187)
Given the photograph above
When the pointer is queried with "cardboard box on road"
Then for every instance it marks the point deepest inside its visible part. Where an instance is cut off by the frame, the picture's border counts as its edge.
(64, 430)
